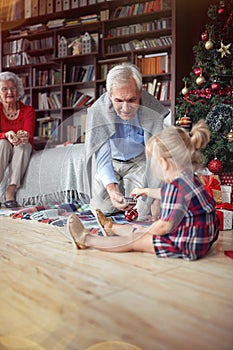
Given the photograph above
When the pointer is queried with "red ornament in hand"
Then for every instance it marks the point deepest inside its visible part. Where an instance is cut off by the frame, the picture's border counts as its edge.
(131, 215)
(215, 166)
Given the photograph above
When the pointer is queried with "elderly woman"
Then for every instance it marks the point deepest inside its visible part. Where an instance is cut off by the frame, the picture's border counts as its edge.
(17, 124)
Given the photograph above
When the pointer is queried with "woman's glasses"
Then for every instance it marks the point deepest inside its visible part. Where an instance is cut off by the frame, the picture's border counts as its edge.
(5, 89)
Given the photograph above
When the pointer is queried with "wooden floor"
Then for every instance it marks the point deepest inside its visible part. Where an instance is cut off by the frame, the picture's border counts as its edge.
(55, 297)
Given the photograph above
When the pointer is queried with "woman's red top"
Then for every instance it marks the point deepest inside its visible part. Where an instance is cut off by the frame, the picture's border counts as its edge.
(26, 121)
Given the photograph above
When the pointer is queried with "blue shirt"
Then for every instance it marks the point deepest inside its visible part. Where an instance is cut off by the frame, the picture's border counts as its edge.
(125, 144)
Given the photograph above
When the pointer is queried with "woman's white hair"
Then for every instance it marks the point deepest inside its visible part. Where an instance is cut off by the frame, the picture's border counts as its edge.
(18, 82)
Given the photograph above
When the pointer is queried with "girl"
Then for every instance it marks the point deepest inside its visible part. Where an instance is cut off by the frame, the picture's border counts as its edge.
(188, 224)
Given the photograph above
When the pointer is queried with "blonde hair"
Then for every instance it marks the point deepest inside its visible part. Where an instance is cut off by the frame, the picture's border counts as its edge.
(179, 145)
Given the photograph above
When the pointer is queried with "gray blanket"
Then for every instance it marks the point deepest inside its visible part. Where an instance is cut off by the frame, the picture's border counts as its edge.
(53, 175)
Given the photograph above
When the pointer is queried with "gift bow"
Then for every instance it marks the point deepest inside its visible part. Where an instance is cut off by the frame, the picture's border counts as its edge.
(211, 183)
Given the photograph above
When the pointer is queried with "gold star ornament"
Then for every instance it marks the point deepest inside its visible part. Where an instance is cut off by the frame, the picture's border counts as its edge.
(224, 49)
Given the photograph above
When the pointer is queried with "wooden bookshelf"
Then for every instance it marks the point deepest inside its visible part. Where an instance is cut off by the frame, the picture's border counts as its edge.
(151, 34)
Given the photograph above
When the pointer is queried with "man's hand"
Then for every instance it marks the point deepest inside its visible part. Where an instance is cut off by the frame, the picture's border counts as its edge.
(117, 198)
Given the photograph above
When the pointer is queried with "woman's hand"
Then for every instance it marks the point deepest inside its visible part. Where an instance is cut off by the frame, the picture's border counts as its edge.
(12, 138)
(23, 136)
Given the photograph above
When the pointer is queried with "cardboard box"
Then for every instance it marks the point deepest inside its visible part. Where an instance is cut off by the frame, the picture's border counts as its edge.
(226, 219)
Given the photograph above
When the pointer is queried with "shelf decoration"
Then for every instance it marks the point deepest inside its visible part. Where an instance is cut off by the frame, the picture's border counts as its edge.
(86, 43)
(76, 46)
(62, 47)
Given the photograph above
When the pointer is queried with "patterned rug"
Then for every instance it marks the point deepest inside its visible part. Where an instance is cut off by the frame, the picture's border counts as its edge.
(57, 214)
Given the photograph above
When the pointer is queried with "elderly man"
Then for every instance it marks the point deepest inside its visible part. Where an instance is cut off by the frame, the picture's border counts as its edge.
(118, 126)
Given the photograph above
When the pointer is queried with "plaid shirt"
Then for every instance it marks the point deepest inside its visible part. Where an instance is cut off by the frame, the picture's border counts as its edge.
(186, 203)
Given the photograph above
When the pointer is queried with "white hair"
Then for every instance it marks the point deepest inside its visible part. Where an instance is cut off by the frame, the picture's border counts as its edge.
(18, 82)
(121, 74)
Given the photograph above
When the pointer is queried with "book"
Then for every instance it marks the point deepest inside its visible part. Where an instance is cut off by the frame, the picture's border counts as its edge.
(58, 5)
(66, 5)
(74, 4)
(27, 8)
(50, 7)
(42, 7)
(34, 8)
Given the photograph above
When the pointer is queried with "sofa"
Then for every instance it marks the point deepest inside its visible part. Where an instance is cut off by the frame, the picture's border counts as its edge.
(54, 175)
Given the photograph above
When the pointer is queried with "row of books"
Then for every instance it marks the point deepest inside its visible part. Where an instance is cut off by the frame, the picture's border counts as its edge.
(26, 99)
(67, 22)
(23, 44)
(21, 59)
(106, 64)
(76, 98)
(76, 132)
(160, 89)
(46, 77)
(162, 23)
(140, 8)
(134, 45)
(48, 128)
(11, 11)
(46, 101)
(154, 63)
(78, 73)
(35, 8)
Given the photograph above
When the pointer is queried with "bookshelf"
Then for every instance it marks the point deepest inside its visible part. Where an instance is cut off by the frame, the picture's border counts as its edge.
(39, 46)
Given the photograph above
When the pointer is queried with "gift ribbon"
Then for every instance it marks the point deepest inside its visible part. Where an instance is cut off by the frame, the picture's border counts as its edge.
(211, 183)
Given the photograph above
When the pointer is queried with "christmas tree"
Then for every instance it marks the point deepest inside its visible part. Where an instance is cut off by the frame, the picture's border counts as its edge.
(208, 91)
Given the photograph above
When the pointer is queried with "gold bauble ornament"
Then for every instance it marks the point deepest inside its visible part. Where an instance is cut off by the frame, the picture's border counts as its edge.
(185, 90)
(200, 80)
(209, 45)
(230, 135)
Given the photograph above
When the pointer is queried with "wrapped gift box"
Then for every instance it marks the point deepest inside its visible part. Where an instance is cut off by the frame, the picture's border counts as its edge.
(227, 179)
(212, 186)
(226, 218)
(226, 193)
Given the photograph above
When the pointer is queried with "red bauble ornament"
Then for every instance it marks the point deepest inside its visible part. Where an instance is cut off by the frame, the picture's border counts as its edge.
(221, 9)
(215, 86)
(215, 166)
(204, 36)
(197, 71)
(131, 215)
